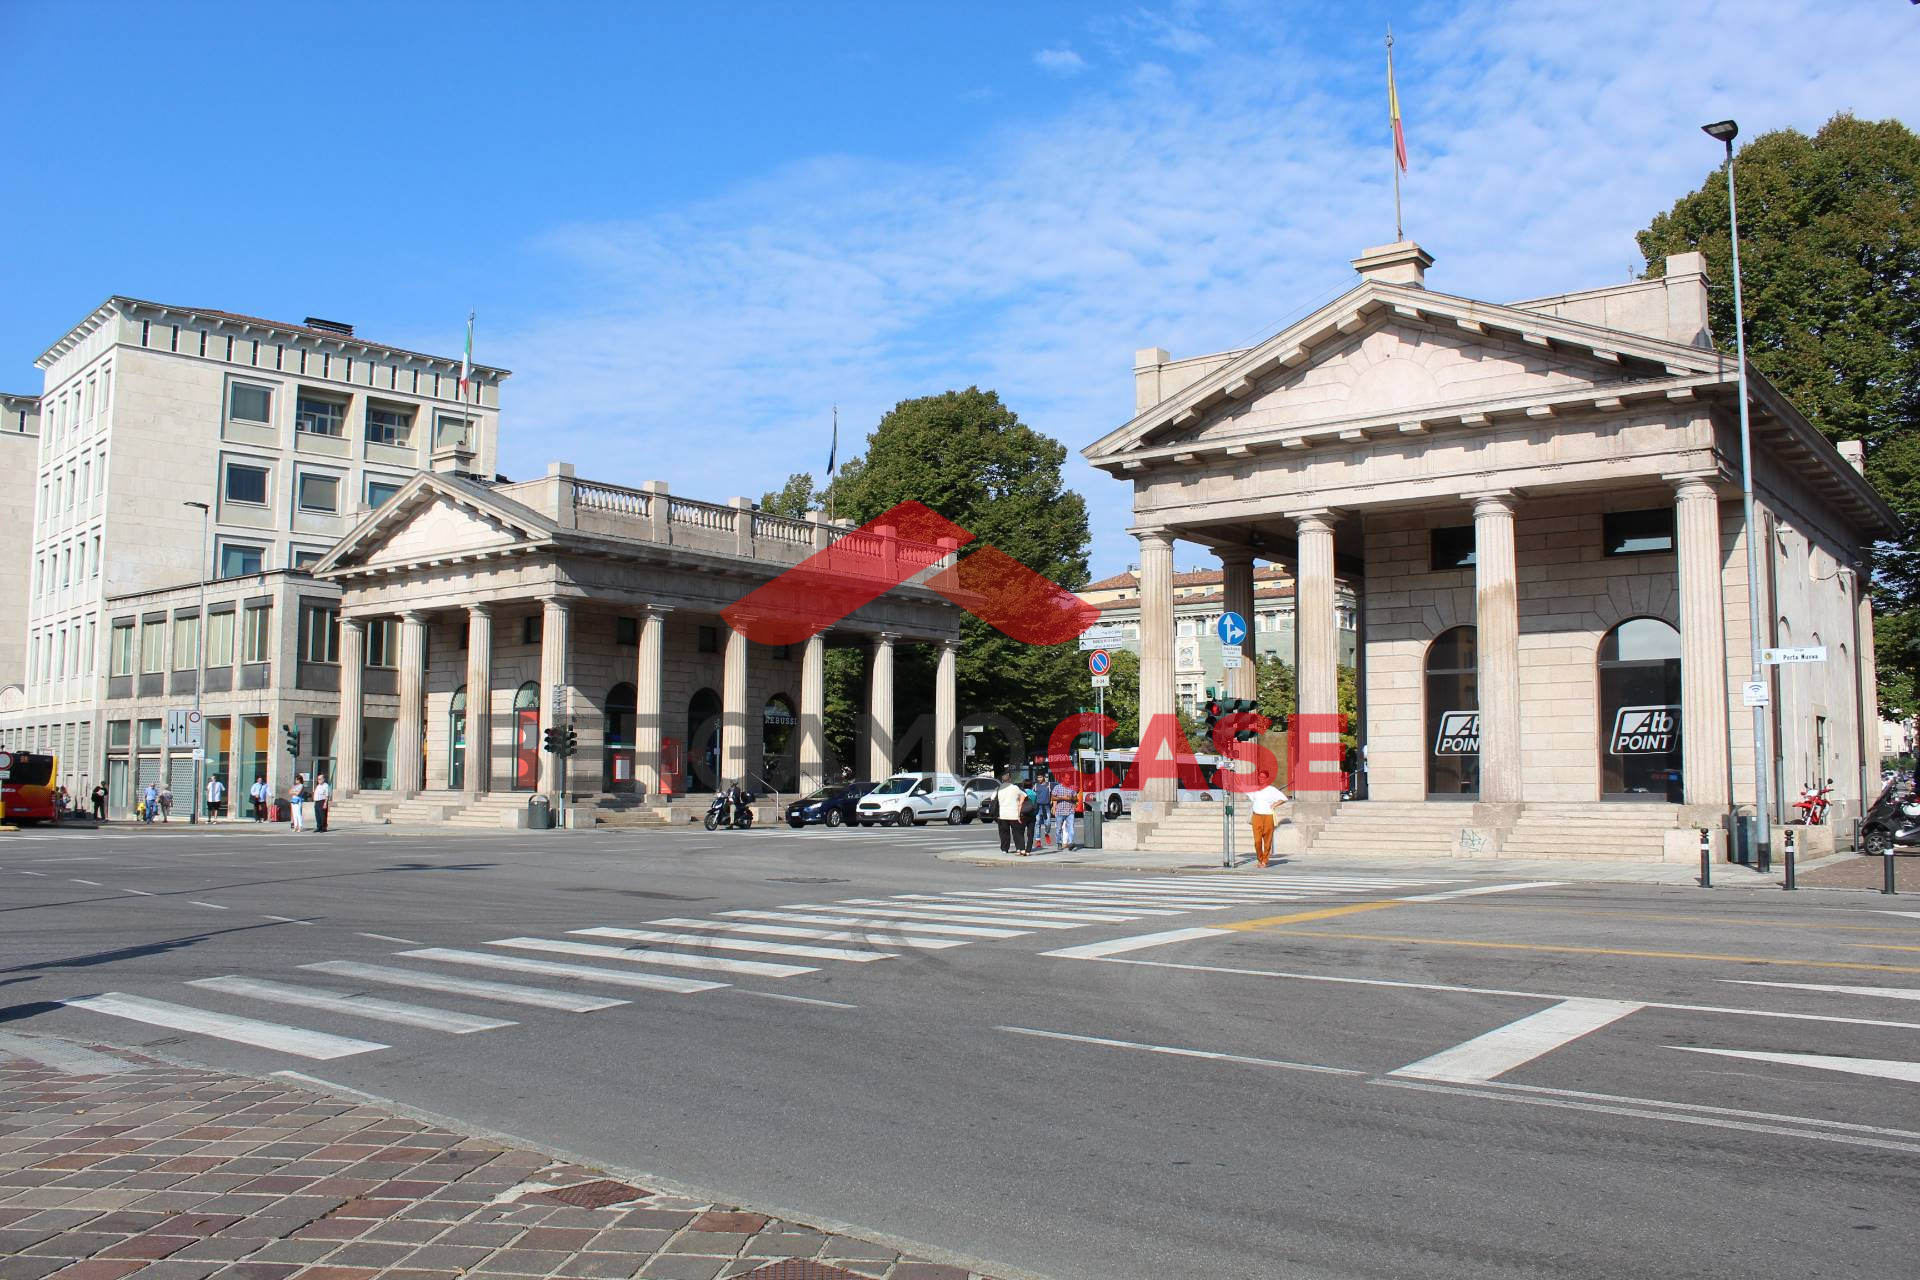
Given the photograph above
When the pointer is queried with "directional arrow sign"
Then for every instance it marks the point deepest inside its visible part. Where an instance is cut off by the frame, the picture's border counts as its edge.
(1232, 628)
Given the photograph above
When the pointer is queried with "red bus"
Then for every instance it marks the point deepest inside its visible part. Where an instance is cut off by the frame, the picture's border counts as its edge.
(30, 786)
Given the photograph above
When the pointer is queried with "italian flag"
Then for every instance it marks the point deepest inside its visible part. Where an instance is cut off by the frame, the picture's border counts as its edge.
(466, 358)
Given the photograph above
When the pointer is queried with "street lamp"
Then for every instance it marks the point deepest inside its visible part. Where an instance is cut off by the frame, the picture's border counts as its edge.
(200, 669)
(1724, 132)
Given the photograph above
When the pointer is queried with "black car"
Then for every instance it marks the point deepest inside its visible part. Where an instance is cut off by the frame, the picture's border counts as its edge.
(832, 804)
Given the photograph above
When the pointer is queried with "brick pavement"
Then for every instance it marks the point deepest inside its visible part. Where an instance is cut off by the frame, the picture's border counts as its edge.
(176, 1173)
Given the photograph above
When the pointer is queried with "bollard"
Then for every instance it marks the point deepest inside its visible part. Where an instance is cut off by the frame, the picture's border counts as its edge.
(1886, 872)
(1789, 882)
(1706, 859)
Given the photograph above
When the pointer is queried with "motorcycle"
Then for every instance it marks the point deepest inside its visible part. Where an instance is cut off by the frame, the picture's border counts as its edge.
(1813, 804)
(724, 812)
(1893, 819)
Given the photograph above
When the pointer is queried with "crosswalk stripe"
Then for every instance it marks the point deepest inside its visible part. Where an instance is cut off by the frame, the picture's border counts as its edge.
(1142, 906)
(1037, 912)
(481, 988)
(298, 1041)
(1885, 1068)
(1885, 993)
(1050, 907)
(650, 955)
(880, 938)
(1238, 890)
(953, 915)
(1187, 888)
(850, 918)
(560, 969)
(737, 944)
(357, 1006)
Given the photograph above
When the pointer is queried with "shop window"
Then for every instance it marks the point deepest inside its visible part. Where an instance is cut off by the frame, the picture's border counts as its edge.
(1639, 677)
(1453, 714)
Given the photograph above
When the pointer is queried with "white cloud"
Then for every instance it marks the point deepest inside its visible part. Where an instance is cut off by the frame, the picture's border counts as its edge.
(1060, 62)
(1196, 208)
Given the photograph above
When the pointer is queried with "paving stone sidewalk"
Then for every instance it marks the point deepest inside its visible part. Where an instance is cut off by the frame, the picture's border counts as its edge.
(119, 1165)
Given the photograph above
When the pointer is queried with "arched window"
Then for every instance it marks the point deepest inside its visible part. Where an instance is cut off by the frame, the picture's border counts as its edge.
(616, 752)
(526, 737)
(1639, 679)
(779, 741)
(1453, 714)
(457, 740)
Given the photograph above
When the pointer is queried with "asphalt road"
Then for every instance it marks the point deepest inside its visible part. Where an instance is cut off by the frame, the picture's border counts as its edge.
(1318, 1074)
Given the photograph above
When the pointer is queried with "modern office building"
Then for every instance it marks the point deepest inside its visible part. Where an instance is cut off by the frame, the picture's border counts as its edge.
(180, 444)
(19, 456)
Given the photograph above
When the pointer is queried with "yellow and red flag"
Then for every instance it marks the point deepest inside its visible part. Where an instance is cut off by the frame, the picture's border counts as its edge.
(1393, 112)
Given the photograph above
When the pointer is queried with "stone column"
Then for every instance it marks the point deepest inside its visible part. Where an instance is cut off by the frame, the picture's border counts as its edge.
(555, 614)
(880, 709)
(1316, 628)
(649, 684)
(946, 713)
(479, 700)
(1237, 573)
(1156, 654)
(733, 712)
(351, 739)
(1704, 761)
(409, 731)
(1496, 609)
(813, 713)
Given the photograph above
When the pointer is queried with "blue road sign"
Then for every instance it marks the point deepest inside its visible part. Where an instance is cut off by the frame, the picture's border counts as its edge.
(1232, 629)
(1099, 662)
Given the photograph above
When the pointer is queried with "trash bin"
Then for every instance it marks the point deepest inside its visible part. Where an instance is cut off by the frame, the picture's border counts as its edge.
(539, 813)
(1740, 842)
(1090, 824)
(281, 811)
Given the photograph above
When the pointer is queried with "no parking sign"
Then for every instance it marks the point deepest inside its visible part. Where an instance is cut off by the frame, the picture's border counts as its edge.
(1100, 662)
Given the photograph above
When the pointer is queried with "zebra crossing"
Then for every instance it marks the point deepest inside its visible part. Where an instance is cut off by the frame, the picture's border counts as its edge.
(683, 955)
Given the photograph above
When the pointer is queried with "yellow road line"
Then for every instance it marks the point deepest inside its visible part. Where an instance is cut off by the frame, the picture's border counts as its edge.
(1603, 951)
(1323, 913)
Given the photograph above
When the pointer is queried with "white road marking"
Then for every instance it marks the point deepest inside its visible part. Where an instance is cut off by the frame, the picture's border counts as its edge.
(558, 969)
(849, 918)
(62, 1056)
(1094, 950)
(1044, 908)
(139, 892)
(1911, 914)
(932, 902)
(286, 919)
(1061, 898)
(737, 944)
(1518, 1043)
(1705, 1109)
(1485, 888)
(93, 883)
(1173, 1051)
(775, 995)
(879, 938)
(651, 955)
(482, 988)
(387, 937)
(1884, 1068)
(263, 1035)
(353, 1005)
(934, 915)
(1889, 993)
(211, 906)
(41, 874)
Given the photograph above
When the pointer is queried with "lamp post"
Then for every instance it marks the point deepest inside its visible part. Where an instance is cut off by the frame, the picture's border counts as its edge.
(1724, 132)
(200, 670)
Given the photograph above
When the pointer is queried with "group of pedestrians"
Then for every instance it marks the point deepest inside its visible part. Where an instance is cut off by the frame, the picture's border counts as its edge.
(1040, 816)
(319, 793)
(154, 802)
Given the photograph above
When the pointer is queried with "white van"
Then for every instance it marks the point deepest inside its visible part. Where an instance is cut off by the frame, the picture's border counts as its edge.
(916, 798)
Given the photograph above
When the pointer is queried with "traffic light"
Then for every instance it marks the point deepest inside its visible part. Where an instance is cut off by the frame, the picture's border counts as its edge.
(1215, 709)
(293, 740)
(570, 744)
(550, 741)
(1245, 706)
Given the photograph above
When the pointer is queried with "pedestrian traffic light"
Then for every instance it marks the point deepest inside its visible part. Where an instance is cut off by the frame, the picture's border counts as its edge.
(293, 740)
(550, 741)
(1215, 709)
(1247, 707)
(570, 744)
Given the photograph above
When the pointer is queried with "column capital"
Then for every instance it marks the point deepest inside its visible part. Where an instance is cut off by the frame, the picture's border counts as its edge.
(1235, 556)
(656, 610)
(1313, 519)
(1492, 501)
(560, 604)
(417, 617)
(481, 609)
(886, 639)
(1154, 537)
(349, 623)
(1700, 485)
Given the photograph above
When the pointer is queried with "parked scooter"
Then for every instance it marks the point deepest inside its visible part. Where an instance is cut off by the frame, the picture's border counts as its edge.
(1813, 804)
(1892, 820)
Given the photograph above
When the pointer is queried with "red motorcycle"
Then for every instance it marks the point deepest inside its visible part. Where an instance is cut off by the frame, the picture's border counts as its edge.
(1813, 805)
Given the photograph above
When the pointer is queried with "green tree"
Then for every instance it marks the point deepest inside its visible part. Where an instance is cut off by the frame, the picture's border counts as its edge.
(1830, 264)
(970, 458)
(793, 500)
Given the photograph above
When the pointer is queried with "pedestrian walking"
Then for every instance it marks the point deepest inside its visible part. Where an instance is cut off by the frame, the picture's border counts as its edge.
(296, 801)
(166, 802)
(1263, 803)
(99, 802)
(1043, 819)
(62, 804)
(258, 794)
(149, 803)
(216, 798)
(1030, 814)
(1006, 813)
(322, 796)
(1064, 800)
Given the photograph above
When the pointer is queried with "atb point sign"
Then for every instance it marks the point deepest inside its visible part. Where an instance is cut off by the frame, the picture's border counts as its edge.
(1100, 662)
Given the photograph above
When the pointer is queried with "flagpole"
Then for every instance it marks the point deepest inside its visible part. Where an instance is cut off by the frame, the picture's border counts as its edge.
(833, 456)
(1399, 231)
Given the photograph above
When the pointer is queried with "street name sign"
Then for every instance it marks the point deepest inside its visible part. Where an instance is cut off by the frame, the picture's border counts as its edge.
(1782, 657)
(1101, 637)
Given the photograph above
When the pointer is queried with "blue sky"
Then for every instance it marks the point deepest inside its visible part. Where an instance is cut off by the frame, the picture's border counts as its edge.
(692, 229)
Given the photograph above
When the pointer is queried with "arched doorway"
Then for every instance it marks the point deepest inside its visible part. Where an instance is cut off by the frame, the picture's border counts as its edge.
(779, 745)
(457, 740)
(1639, 677)
(703, 740)
(616, 753)
(1453, 715)
(526, 737)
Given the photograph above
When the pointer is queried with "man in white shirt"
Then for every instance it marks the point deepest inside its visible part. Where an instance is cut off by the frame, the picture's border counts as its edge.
(258, 794)
(1006, 811)
(322, 794)
(216, 796)
(1264, 803)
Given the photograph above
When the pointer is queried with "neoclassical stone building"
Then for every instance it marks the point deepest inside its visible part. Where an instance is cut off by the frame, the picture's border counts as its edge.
(1538, 506)
(498, 611)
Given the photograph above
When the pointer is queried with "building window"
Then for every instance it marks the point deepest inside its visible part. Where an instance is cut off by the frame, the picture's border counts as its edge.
(186, 643)
(1450, 548)
(317, 416)
(238, 561)
(247, 484)
(389, 424)
(153, 735)
(249, 403)
(1453, 713)
(709, 639)
(530, 629)
(318, 493)
(626, 631)
(119, 734)
(96, 556)
(383, 642)
(220, 639)
(783, 653)
(319, 634)
(1637, 533)
(1187, 627)
(306, 559)
(120, 660)
(379, 491)
(450, 432)
(256, 638)
(153, 648)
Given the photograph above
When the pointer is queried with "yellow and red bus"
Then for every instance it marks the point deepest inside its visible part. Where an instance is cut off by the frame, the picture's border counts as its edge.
(29, 787)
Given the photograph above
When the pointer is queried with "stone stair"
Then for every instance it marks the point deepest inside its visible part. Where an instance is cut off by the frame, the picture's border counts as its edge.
(1191, 828)
(1392, 828)
(1592, 831)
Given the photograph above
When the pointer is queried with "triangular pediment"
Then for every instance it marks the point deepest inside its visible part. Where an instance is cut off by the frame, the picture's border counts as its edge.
(436, 518)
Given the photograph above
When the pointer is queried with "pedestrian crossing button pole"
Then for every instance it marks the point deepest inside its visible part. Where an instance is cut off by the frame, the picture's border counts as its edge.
(1706, 859)
(1886, 871)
